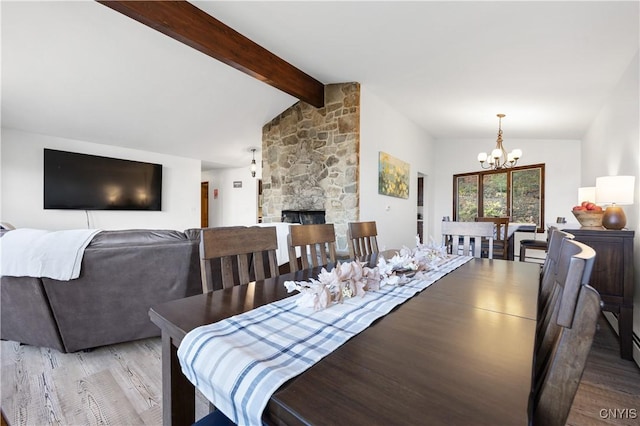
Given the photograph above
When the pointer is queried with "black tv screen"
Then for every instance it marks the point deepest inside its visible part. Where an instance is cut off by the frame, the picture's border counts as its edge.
(89, 182)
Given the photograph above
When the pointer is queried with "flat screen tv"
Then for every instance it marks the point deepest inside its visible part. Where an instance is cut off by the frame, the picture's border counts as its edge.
(89, 182)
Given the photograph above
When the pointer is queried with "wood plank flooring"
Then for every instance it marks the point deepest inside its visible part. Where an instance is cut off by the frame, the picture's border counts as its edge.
(121, 385)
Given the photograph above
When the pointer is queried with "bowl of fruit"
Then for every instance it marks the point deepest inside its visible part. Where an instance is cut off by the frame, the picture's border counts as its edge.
(588, 214)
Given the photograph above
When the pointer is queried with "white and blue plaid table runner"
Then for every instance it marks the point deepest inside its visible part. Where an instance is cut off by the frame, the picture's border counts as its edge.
(239, 362)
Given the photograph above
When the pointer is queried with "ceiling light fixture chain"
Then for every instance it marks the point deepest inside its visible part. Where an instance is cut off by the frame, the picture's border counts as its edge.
(499, 159)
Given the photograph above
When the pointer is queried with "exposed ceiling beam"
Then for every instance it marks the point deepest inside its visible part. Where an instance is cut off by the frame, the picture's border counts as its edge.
(188, 24)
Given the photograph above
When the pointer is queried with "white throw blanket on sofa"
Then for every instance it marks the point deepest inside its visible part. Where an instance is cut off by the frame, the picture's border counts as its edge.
(39, 253)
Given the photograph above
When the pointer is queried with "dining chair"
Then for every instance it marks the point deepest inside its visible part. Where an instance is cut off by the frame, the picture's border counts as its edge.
(555, 381)
(548, 270)
(573, 270)
(237, 255)
(362, 238)
(317, 245)
(553, 247)
(531, 244)
(214, 418)
(471, 234)
(501, 239)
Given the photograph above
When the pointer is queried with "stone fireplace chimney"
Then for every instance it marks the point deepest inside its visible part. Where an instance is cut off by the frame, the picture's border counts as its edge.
(310, 160)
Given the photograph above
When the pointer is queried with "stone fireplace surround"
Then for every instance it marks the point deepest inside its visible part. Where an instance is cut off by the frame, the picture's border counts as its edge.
(310, 160)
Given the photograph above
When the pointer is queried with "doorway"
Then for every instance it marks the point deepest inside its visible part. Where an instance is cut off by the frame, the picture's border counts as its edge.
(259, 200)
(420, 207)
(204, 204)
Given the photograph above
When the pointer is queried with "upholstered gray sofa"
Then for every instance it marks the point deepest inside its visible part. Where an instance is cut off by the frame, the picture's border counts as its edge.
(123, 274)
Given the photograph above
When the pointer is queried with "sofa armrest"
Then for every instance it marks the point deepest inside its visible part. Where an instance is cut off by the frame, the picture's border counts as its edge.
(25, 314)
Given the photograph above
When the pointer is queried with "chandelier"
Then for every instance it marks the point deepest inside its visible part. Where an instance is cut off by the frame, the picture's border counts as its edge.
(499, 159)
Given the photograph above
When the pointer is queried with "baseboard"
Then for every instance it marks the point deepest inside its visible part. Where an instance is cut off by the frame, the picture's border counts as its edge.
(613, 320)
(635, 349)
(635, 344)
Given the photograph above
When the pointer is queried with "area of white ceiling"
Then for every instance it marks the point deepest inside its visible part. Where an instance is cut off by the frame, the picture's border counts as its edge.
(83, 71)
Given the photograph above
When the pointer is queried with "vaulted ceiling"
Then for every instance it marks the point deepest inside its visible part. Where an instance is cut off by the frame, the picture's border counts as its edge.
(83, 71)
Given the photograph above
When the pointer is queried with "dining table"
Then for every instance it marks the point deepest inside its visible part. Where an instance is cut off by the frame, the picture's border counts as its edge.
(458, 352)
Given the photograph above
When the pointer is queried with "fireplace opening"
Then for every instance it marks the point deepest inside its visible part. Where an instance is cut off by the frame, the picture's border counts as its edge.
(304, 217)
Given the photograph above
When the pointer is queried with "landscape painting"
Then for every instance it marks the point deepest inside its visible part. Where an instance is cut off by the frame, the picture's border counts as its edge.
(393, 176)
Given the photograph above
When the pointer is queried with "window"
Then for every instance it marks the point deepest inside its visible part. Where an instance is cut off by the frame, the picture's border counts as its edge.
(517, 192)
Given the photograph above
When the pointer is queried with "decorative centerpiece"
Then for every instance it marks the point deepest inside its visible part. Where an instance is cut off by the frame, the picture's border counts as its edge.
(350, 279)
(588, 214)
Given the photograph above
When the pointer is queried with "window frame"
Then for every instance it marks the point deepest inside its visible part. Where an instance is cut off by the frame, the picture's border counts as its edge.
(480, 198)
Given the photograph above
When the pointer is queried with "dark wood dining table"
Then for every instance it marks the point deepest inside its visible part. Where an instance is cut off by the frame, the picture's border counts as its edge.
(459, 352)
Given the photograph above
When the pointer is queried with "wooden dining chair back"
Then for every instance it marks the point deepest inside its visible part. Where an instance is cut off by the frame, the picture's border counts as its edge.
(362, 239)
(553, 247)
(556, 280)
(555, 385)
(466, 238)
(501, 237)
(317, 245)
(548, 272)
(242, 255)
(573, 270)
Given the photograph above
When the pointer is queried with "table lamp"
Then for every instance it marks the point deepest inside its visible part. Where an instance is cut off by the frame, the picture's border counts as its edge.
(587, 193)
(616, 191)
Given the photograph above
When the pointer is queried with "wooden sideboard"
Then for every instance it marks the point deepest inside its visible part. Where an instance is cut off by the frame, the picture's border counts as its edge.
(612, 276)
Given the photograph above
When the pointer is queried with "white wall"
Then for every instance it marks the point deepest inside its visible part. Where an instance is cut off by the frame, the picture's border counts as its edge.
(211, 176)
(22, 187)
(611, 146)
(562, 170)
(383, 129)
(234, 206)
(1, 179)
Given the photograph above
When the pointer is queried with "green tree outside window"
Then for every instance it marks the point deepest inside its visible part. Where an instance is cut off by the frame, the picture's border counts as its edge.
(517, 192)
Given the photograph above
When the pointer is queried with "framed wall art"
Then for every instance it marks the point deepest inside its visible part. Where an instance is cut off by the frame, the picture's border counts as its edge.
(393, 176)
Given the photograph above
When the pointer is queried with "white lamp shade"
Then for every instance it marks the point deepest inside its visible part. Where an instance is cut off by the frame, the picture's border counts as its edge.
(482, 157)
(615, 190)
(587, 193)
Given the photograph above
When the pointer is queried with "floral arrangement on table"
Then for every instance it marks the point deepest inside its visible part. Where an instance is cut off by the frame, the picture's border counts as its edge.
(350, 279)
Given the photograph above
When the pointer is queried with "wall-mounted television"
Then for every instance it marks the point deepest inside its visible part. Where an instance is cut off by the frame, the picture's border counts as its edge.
(89, 182)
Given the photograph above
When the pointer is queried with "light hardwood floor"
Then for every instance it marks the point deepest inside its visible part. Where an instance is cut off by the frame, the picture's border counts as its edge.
(121, 385)
(112, 385)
